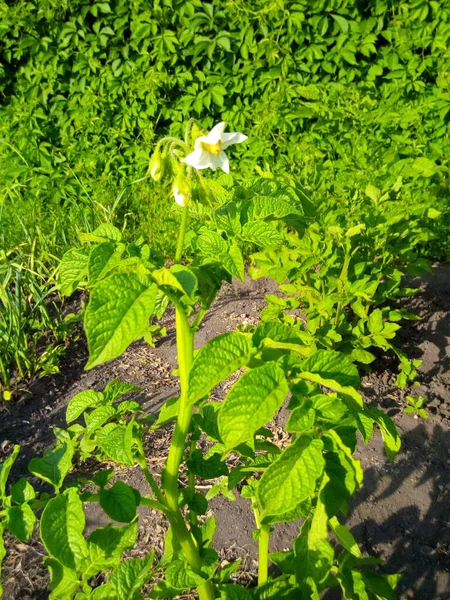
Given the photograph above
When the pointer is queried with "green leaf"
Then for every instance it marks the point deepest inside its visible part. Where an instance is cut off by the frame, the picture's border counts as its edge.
(343, 471)
(292, 478)
(64, 583)
(117, 314)
(20, 521)
(234, 592)
(179, 277)
(131, 575)
(116, 441)
(98, 417)
(251, 403)
(216, 361)
(181, 576)
(80, 402)
(343, 23)
(233, 262)
(211, 243)
(2, 555)
(333, 365)
(120, 502)
(261, 234)
(314, 555)
(375, 321)
(5, 469)
(391, 439)
(382, 586)
(22, 491)
(168, 412)
(209, 468)
(73, 269)
(106, 546)
(280, 589)
(62, 525)
(344, 536)
(54, 465)
(116, 388)
(102, 259)
(301, 420)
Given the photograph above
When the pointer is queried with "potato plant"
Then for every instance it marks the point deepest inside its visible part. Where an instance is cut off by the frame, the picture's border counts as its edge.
(312, 479)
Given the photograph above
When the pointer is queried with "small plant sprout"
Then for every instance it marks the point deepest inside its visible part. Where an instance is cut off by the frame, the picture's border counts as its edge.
(415, 407)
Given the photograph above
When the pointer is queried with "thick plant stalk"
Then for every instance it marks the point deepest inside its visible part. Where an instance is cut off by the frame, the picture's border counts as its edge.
(185, 349)
(263, 558)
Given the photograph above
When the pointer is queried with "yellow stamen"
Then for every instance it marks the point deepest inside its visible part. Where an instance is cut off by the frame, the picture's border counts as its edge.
(213, 148)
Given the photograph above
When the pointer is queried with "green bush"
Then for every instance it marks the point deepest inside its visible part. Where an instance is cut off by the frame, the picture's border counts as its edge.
(88, 86)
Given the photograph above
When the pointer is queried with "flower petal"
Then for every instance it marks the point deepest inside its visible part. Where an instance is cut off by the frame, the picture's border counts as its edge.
(216, 134)
(232, 138)
(199, 159)
(221, 161)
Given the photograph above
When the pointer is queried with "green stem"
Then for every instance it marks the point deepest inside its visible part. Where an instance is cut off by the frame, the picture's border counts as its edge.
(190, 550)
(151, 481)
(263, 559)
(263, 545)
(185, 347)
(192, 515)
(183, 227)
(342, 278)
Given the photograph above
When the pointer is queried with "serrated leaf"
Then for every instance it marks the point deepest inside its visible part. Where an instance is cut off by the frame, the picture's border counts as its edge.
(216, 361)
(20, 521)
(116, 441)
(117, 314)
(119, 502)
(54, 465)
(343, 23)
(80, 402)
(62, 525)
(251, 403)
(292, 478)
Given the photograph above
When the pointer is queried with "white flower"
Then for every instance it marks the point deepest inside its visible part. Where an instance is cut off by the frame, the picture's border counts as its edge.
(209, 149)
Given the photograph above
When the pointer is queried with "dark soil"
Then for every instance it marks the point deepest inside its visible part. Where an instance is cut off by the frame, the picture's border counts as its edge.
(401, 514)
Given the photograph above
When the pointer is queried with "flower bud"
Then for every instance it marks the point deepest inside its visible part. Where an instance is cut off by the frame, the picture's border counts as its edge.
(181, 190)
(156, 166)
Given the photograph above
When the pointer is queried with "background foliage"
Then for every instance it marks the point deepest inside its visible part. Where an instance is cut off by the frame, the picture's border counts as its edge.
(341, 93)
